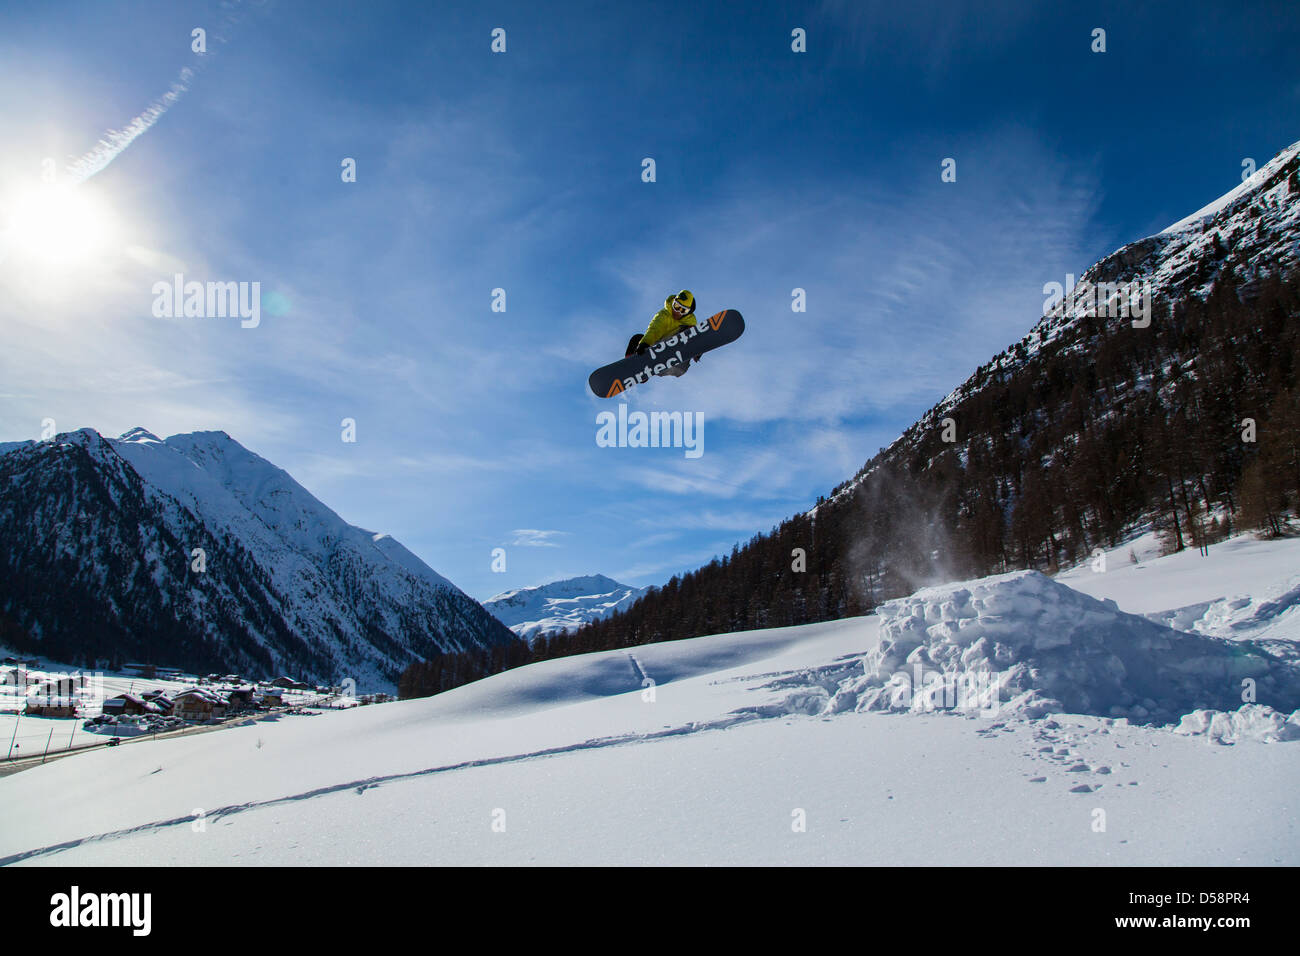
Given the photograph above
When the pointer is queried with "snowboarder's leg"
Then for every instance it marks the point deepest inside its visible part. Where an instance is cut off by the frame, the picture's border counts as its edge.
(633, 345)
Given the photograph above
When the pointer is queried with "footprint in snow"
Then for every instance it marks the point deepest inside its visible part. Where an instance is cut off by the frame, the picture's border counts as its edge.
(1038, 780)
(1081, 788)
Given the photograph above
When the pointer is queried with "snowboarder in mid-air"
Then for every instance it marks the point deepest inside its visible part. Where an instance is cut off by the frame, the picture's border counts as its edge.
(672, 341)
(678, 311)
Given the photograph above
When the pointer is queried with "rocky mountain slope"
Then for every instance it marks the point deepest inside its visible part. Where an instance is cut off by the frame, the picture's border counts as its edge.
(197, 553)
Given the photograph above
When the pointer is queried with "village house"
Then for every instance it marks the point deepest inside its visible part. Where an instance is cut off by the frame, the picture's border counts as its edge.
(241, 698)
(270, 697)
(198, 704)
(160, 700)
(289, 683)
(51, 707)
(129, 704)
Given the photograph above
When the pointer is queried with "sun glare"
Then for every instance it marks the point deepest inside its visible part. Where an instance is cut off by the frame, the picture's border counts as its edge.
(55, 226)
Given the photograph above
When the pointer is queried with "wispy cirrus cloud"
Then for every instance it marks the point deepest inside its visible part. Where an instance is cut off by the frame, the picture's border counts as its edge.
(536, 538)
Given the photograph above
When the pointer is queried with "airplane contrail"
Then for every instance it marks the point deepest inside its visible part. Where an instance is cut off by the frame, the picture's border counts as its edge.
(115, 142)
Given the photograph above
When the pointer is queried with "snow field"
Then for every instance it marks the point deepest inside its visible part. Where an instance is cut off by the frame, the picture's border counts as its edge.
(739, 740)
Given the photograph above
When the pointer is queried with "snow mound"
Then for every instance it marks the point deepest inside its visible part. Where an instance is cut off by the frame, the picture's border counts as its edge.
(1024, 644)
(1249, 722)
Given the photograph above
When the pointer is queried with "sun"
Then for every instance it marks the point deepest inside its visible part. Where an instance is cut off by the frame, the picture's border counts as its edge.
(55, 226)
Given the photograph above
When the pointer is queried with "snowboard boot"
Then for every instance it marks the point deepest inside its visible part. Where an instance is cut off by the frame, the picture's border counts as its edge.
(677, 371)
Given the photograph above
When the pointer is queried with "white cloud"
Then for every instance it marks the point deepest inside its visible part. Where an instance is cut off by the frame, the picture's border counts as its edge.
(535, 538)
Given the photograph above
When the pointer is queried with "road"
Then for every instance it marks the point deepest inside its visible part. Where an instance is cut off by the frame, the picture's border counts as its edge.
(19, 764)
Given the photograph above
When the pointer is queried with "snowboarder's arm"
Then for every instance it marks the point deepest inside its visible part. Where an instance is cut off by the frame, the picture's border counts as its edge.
(659, 327)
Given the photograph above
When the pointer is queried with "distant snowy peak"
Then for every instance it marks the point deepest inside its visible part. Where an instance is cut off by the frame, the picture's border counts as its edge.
(141, 436)
(561, 605)
(569, 587)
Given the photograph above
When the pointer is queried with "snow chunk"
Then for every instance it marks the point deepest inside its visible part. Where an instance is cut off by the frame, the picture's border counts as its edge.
(1249, 722)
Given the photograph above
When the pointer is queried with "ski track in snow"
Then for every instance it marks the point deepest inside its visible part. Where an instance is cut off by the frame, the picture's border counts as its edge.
(638, 670)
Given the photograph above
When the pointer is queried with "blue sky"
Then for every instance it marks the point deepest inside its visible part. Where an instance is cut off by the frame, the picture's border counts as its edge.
(522, 170)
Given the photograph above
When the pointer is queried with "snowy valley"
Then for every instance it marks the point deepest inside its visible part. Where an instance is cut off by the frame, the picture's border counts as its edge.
(789, 745)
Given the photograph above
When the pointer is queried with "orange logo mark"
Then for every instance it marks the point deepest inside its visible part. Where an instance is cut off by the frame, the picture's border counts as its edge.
(716, 320)
(615, 389)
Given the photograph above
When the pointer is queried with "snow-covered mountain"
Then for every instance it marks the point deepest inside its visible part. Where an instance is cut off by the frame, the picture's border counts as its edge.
(197, 553)
(1250, 233)
(560, 605)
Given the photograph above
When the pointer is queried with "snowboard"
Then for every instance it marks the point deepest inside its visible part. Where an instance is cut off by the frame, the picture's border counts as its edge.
(670, 356)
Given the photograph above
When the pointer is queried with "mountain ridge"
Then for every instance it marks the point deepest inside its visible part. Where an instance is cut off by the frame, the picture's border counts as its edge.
(197, 552)
(558, 606)
(1128, 259)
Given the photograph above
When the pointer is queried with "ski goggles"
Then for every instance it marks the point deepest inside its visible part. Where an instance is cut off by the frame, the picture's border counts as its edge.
(678, 307)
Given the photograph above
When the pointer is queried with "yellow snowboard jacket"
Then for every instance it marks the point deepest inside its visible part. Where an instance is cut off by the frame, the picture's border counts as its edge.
(665, 323)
